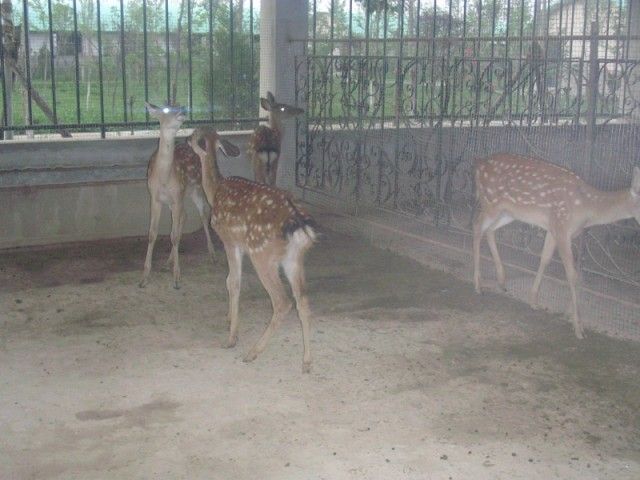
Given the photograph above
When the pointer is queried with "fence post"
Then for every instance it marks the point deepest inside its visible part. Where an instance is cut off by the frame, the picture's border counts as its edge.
(280, 21)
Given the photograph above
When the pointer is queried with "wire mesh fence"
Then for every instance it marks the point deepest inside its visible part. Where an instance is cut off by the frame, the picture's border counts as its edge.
(89, 65)
(401, 96)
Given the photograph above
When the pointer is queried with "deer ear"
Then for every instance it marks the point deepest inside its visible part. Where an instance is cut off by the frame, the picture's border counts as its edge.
(228, 148)
(635, 182)
(264, 103)
(271, 98)
(153, 110)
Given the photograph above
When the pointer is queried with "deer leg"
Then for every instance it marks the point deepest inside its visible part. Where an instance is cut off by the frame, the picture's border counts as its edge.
(545, 258)
(477, 240)
(171, 259)
(294, 270)
(200, 202)
(564, 248)
(267, 270)
(491, 240)
(234, 259)
(156, 210)
(177, 220)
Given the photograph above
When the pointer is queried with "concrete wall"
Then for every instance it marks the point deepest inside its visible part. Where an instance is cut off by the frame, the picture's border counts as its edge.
(85, 189)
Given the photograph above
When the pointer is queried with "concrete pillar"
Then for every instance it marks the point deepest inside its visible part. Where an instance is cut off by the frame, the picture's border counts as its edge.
(280, 21)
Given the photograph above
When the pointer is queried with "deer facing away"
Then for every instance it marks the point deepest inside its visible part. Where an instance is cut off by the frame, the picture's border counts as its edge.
(263, 222)
(265, 143)
(174, 171)
(513, 187)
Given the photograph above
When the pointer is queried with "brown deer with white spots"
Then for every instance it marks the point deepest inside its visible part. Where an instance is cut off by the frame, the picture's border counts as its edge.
(263, 222)
(174, 171)
(513, 187)
(265, 143)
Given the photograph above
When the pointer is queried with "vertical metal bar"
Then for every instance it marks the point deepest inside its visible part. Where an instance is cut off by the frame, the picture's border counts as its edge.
(145, 44)
(627, 44)
(76, 40)
(507, 64)
(463, 56)
(543, 96)
(520, 68)
(52, 65)
(100, 78)
(331, 75)
(253, 61)
(584, 28)
(190, 59)
(618, 50)
(27, 55)
(211, 116)
(232, 61)
(123, 65)
(606, 47)
(350, 27)
(367, 15)
(416, 70)
(533, 63)
(570, 66)
(315, 26)
(5, 111)
(492, 52)
(558, 62)
(592, 98)
(167, 49)
(398, 101)
(493, 27)
(433, 62)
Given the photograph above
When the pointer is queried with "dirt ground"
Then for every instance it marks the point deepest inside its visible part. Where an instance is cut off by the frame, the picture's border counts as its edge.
(414, 375)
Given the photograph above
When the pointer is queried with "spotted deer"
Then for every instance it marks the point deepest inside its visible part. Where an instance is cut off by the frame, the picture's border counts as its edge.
(265, 223)
(264, 144)
(173, 171)
(513, 187)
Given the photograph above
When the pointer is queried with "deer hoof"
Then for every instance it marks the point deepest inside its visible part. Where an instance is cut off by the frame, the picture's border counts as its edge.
(230, 343)
(176, 285)
(306, 367)
(143, 283)
(250, 357)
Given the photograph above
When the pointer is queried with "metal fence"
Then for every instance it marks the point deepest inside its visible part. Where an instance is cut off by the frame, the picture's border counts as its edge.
(89, 65)
(402, 96)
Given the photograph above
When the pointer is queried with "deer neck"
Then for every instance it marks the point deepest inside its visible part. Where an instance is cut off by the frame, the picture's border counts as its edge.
(164, 157)
(211, 176)
(275, 122)
(608, 207)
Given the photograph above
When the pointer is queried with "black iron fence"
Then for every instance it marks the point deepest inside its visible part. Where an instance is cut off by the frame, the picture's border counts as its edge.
(89, 65)
(394, 119)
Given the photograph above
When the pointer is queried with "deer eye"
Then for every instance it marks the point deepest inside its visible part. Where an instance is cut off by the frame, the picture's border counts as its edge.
(165, 110)
(282, 109)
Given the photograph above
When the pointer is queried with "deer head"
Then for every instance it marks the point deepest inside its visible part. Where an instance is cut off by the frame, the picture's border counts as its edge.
(281, 109)
(170, 117)
(205, 140)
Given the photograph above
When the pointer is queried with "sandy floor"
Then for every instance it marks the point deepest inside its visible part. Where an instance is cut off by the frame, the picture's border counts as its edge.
(414, 376)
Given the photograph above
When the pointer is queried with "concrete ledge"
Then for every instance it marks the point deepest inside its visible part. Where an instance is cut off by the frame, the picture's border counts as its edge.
(59, 191)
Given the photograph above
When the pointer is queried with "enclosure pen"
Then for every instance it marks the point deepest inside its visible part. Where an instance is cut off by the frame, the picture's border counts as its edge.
(357, 153)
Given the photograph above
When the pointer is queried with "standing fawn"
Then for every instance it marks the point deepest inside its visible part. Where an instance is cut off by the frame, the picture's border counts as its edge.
(264, 222)
(174, 170)
(512, 187)
(264, 144)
